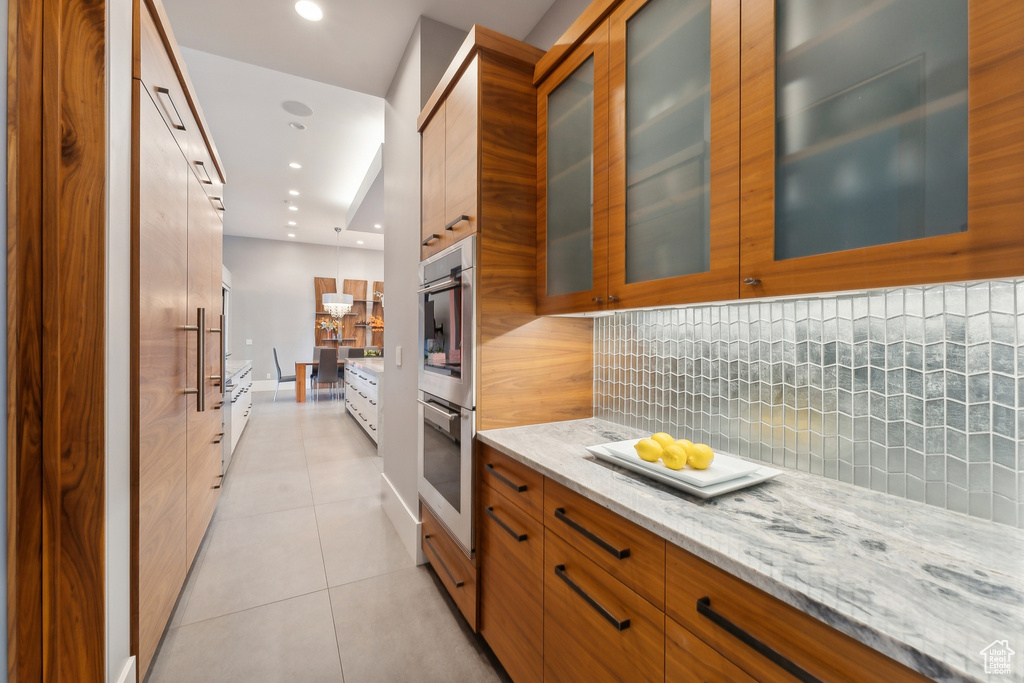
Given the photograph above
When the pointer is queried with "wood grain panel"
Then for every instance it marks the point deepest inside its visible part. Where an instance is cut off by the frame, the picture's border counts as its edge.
(991, 246)
(55, 370)
(160, 273)
(579, 644)
(432, 184)
(809, 643)
(643, 569)
(522, 485)
(462, 112)
(158, 72)
(596, 45)
(512, 585)
(321, 286)
(451, 565)
(594, 14)
(529, 369)
(721, 281)
(377, 294)
(688, 659)
(354, 324)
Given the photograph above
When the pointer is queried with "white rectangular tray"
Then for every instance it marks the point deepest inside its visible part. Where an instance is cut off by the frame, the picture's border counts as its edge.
(723, 468)
(762, 473)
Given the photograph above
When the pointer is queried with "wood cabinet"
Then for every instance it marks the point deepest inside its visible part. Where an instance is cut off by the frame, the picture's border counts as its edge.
(863, 164)
(457, 572)
(177, 358)
(449, 167)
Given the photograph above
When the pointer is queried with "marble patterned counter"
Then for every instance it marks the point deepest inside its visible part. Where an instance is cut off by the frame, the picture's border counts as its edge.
(927, 587)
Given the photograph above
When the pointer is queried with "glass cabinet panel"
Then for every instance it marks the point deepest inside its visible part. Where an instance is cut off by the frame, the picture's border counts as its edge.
(668, 135)
(570, 183)
(871, 123)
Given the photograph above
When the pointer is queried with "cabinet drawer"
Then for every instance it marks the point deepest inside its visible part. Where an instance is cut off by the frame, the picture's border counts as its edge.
(595, 628)
(628, 552)
(688, 659)
(456, 571)
(522, 485)
(511, 585)
(799, 638)
(160, 80)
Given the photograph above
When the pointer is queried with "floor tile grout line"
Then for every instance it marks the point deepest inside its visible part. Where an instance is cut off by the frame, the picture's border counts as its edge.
(254, 607)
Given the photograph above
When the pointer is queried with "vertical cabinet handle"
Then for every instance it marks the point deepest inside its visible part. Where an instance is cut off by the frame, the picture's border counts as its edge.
(618, 553)
(220, 331)
(490, 513)
(164, 95)
(620, 624)
(518, 488)
(204, 176)
(433, 550)
(199, 328)
(705, 610)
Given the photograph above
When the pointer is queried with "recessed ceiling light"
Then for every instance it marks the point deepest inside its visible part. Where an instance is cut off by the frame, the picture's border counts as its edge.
(296, 125)
(309, 11)
(377, 225)
(292, 223)
(294, 193)
(297, 108)
(359, 241)
(293, 208)
(291, 234)
(295, 165)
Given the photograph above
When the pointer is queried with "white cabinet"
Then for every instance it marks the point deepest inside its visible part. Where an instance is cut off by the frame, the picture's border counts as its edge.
(362, 392)
(240, 387)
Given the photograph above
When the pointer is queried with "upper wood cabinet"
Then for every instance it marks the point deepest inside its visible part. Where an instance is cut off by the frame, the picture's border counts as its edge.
(882, 145)
(449, 153)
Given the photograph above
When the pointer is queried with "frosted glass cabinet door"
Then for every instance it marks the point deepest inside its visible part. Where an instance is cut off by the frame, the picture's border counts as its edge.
(877, 142)
(674, 151)
(572, 174)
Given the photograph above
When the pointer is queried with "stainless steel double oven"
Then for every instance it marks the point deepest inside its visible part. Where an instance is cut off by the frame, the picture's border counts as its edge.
(446, 388)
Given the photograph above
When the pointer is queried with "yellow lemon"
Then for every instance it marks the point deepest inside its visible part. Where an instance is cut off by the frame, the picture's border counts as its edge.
(674, 457)
(701, 456)
(685, 443)
(648, 449)
(663, 438)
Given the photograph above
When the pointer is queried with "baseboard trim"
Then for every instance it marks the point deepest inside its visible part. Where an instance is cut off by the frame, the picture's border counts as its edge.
(406, 522)
(128, 672)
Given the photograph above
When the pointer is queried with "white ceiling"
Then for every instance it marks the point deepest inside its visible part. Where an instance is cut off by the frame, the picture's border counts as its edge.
(247, 57)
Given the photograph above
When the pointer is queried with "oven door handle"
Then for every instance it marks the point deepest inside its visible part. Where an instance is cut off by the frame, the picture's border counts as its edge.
(450, 283)
(443, 413)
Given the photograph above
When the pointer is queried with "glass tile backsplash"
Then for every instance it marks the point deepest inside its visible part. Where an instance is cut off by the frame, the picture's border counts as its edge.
(917, 392)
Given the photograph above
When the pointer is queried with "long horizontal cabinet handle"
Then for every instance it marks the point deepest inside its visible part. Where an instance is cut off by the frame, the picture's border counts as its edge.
(619, 553)
(457, 583)
(451, 224)
(497, 520)
(430, 239)
(518, 488)
(165, 94)
(620, 624)
(705, 610)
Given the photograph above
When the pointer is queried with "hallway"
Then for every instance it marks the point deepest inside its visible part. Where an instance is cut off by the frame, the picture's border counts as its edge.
(302, 577)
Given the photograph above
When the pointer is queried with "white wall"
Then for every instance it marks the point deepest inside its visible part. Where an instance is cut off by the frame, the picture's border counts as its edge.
(554, 22)
(427, 55)
(272, 297)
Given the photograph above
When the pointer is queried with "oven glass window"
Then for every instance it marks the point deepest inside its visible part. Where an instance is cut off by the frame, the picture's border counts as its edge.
(442, 451)
(442, 329)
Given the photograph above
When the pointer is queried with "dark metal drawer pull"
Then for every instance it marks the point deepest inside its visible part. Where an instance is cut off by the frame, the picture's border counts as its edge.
(705, 610)
(167, 96)
(506, 527)
(504, 480)
(452, 224)
(621, 625)
(204, 177)
(430, 239)
(605, 545)
(457, 584)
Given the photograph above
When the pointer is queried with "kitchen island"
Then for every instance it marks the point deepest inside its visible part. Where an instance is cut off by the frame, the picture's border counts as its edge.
(362, 392)
(929, 588)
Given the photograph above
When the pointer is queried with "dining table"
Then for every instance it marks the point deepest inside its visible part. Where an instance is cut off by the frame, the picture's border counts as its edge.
(300, 374)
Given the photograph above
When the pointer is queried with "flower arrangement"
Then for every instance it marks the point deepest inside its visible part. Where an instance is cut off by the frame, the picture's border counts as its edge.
(328, 324)
(377, 323)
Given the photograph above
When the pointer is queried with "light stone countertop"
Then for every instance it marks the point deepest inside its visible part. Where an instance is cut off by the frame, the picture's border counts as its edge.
(233, 367)
(374, 365)
(927, 587)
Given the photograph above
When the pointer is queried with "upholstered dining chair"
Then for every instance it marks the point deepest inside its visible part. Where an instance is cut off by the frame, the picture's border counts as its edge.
(327, 370)
(280, 378)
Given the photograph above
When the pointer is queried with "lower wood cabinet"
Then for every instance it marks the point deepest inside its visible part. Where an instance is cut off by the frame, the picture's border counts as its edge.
(511, 548)
(688, 659)
(456, 571)
(595, 628)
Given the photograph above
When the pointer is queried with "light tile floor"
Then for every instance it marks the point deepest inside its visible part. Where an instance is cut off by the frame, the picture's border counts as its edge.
(301, 576)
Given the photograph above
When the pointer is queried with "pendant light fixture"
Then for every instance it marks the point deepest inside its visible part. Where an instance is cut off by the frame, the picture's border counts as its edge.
(335, 303)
